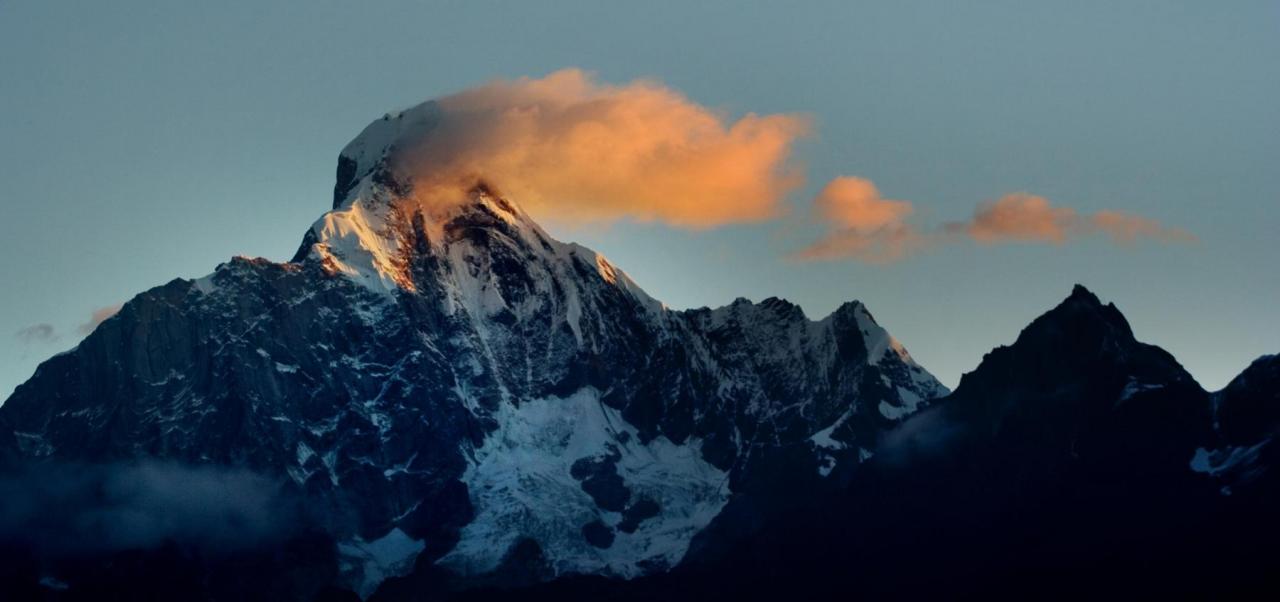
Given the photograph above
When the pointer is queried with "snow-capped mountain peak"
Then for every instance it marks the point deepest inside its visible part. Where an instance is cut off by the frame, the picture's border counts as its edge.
(440, 376)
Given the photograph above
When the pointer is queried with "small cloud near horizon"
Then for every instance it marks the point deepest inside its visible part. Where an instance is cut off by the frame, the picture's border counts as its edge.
(37, 333)
(1024, 217)
(48, 333)
(866, 227)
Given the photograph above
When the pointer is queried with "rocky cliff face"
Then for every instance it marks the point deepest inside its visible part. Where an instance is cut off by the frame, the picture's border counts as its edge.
(448, 380)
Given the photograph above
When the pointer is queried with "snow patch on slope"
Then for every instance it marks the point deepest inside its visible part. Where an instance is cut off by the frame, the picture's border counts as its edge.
(355, 242)
(1214, 462)
(823, 438)
(1133, 387)
(614, 275)
(880, 344)
(520, 484)
(893, 412)
(877, 339)
(366, 564)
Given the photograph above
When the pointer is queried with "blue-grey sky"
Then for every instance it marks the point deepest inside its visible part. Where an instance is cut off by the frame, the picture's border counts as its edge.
(145, 141)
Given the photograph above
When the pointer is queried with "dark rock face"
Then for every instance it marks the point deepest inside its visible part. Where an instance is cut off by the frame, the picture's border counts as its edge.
(1242, 456)
(1076, 384)
(1248, 410)
(601, 481)
(637, 513)
(598, 534)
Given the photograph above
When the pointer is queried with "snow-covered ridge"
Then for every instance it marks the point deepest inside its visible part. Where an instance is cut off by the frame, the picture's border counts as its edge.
(367, 238)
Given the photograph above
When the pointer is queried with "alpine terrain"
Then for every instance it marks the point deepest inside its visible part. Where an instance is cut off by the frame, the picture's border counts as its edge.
(443, 385)
(434, 399)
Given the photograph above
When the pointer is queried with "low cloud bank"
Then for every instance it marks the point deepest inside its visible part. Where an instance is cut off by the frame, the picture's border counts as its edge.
(90, 508)
(926, 435)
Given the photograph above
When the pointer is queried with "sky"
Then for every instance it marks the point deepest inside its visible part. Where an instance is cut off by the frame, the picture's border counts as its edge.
(962, 164)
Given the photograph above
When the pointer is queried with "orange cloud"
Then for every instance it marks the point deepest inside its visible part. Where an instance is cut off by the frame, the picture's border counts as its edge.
(569, 148)
(99, 316)
(865, 226)
(1023, 217)
(1019, 217)
(855, 203)
(1125, 229)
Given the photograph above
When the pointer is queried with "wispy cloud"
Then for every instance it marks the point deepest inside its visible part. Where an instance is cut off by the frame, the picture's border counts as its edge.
(48, 333)
(866, 227)
(1125, 229)
(37, 333)
(1023, 217)
(64, 508)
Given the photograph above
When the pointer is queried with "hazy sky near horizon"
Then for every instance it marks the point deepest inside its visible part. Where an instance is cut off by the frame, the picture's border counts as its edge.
(140, 142)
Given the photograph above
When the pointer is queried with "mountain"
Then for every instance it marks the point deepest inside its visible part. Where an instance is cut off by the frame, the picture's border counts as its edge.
(436, 400)
(1075, 462)
(1246, 417)
(1247, 411)
(442, 383)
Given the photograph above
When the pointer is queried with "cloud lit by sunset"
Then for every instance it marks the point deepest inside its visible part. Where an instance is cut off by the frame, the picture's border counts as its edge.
(574, 150)
(865, 227)
(1022, 217)
(1019, 217)
(1124, 228)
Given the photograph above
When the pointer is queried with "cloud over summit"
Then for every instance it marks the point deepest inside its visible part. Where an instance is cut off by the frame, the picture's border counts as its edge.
(572, 149)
